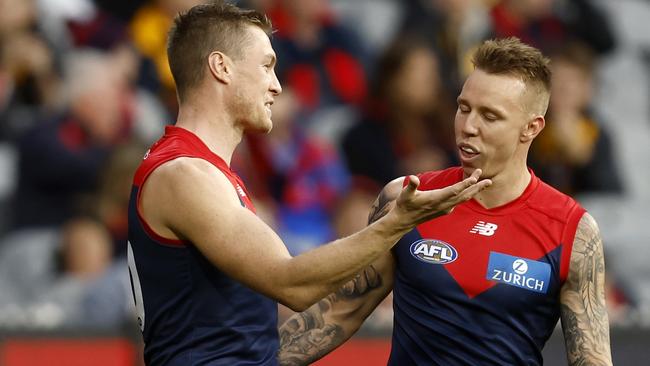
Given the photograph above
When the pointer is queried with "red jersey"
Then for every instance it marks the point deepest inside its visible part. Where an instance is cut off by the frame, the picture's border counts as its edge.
(481, 286)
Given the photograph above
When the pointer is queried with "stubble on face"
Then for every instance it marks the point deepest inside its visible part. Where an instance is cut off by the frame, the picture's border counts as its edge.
(497, 141)
(252, 83)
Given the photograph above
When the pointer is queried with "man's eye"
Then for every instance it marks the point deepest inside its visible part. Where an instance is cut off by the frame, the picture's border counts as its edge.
(490, 116)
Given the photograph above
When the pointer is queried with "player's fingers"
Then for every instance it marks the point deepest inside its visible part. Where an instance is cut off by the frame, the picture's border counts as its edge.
(413, 182)
(476, 174)
(471, 191)
(467, 194)
(457, 189)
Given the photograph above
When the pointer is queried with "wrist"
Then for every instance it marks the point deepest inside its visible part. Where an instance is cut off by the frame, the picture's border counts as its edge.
(392, 226)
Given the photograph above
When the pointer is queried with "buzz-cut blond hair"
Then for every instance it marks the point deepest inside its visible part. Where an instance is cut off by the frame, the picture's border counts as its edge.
(510, 56)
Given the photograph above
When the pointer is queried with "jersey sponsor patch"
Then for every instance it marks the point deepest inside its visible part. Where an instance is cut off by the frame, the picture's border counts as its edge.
(520, 272)
(433, 251)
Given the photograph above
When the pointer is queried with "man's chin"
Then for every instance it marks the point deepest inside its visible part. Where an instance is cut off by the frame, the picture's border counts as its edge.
(468, 169)
(261, 128)
(267, 127)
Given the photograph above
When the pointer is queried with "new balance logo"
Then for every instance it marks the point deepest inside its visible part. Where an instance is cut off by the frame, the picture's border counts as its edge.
(240, 191)
(484, 228)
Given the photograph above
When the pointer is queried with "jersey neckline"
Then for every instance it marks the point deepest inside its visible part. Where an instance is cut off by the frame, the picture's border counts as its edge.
(509, 207)
(175, 130)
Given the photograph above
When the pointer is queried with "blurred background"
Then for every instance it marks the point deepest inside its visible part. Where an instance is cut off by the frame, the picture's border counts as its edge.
(369, 95)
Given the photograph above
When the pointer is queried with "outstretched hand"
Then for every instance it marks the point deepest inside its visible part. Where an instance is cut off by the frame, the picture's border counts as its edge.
(414, 206)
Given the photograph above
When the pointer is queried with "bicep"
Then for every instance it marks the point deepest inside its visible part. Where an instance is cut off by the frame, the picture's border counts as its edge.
(201, 206)
(582, 298)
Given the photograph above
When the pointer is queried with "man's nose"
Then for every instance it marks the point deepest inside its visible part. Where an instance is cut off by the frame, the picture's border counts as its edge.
(470, 125)
(275, 88)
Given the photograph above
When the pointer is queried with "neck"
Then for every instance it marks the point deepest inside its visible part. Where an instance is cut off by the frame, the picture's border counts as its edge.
(212, 125)
(506, 187)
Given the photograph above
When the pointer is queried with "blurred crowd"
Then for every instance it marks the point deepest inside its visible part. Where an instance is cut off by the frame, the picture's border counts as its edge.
(369, 95)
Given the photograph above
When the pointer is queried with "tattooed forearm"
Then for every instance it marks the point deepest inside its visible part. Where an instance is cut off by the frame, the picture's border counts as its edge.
(305, 337)
(583, 310)
(361, 284)
(310, 335)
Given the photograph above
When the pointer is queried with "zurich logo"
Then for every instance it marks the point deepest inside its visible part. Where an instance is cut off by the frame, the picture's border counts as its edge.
(524, 273)
(520, 266)
(433, 251)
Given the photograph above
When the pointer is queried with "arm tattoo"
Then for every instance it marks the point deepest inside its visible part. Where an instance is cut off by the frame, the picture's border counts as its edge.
(583, 310)
(380, 207)
(305, 337)
(308, 336)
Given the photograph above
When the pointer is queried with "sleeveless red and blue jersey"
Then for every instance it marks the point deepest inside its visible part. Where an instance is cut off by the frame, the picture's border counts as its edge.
(482, 286)
(189, 312)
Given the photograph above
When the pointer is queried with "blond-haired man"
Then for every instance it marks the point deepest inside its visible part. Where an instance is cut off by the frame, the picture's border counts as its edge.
(486, 284)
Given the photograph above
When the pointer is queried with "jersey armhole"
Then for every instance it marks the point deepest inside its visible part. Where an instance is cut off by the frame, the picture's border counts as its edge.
(568, 236)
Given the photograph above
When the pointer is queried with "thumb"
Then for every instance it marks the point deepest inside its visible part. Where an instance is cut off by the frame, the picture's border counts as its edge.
(413, 182)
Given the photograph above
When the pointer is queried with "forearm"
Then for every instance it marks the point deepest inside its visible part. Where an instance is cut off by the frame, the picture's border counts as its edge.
(317, 273)
(310, 335)
(586, 337)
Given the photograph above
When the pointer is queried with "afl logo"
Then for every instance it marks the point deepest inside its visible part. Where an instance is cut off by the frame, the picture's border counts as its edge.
(433, 251)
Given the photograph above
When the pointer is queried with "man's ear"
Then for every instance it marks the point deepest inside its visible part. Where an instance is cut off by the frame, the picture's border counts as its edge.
(220, 66)
(532, 129)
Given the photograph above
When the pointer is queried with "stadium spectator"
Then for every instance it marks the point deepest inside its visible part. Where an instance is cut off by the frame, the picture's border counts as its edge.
(317, 57)
(547, 23)
(63, 266)
(148, 29)
(60, 158)
(301, 174)
(30, 83)
(453, 28)
(404, 127)
(111, 200)
(575, 154)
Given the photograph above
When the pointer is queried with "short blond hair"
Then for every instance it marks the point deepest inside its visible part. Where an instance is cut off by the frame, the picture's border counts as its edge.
(510, 56)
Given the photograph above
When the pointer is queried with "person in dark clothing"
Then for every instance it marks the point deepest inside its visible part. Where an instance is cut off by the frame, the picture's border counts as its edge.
(403, 127)
(576, 154)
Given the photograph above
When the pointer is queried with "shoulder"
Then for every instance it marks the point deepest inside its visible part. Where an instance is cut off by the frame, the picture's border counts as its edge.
(188, 176)
(587, 253)
(586, 233)
(555, 204)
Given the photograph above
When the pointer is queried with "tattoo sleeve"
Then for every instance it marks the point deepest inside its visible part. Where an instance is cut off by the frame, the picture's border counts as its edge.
(583, 310)
(310, 335)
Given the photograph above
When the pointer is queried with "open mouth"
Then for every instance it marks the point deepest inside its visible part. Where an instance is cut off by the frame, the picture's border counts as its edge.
(467, 152)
